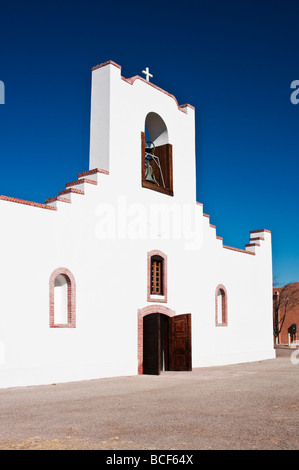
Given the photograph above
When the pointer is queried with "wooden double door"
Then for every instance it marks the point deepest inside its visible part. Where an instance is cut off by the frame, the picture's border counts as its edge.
(166, 343)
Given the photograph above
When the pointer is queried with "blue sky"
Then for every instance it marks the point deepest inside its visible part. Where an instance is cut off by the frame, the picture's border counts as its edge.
(233, 60)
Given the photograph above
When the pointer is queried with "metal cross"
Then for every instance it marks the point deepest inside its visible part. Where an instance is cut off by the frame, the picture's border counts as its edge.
(147, 73)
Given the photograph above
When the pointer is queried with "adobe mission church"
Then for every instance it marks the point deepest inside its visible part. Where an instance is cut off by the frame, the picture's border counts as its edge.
(122, 273)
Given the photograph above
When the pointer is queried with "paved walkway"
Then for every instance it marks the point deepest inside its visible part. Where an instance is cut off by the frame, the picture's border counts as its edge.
(243, 406)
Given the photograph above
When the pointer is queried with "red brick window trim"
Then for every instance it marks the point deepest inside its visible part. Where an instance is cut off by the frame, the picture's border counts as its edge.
(221, 306)
(71, 298)
(156, 276)
(142, 312)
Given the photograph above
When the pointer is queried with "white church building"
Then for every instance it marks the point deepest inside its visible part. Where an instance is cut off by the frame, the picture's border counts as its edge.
(122, 273)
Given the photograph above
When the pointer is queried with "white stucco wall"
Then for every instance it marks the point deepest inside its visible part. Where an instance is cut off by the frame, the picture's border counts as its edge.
(102, 237)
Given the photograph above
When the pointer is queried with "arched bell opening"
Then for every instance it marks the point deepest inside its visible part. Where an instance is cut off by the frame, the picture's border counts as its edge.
(156, 155)
(156, 128)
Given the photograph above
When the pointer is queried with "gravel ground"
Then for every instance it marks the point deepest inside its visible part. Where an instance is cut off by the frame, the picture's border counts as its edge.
(238, 407)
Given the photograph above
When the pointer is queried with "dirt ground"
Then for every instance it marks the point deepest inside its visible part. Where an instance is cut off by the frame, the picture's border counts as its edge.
(238, 407)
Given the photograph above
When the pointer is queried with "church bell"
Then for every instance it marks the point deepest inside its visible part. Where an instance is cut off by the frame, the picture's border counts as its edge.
(149, 173)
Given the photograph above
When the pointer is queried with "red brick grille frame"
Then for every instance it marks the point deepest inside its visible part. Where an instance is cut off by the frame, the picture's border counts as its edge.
(71, 298)
(224, 322)
(142, 312)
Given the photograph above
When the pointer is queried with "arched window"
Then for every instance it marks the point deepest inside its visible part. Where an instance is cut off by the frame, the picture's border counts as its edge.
(221, 306)
(62, 299)
(156, 276)
(156, 156)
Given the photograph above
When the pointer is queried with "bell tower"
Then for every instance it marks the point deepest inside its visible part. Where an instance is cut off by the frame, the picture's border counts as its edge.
(141, 135)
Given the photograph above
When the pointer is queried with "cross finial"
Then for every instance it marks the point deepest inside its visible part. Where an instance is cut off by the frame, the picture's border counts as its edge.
(147, 74)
